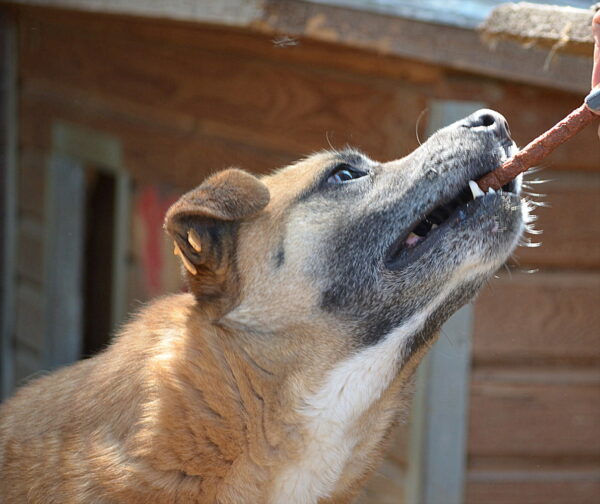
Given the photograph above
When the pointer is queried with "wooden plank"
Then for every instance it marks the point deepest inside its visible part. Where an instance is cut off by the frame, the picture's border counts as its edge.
(30, 324)
(559, 323)
(27, 364)
(8, 186)
(121, 228)
(527, 417)
(88, 146)
(570, 224)
(30, 264)
(64, 248)
(32, 166)
(230, 12)
(550, 26)
(246, 43)
(161, 97)
(558, 491)
(150, 154)
(447, 46)
(280, 105)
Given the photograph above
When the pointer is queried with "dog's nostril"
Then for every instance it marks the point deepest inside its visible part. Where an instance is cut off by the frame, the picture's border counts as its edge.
(489, 120)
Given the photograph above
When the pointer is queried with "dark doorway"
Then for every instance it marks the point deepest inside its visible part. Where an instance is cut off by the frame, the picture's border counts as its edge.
(98, 261)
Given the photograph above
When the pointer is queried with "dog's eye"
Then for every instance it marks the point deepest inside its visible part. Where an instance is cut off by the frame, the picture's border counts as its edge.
(342, 173)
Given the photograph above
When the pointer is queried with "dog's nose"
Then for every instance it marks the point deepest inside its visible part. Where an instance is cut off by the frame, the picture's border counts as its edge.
(489, 120)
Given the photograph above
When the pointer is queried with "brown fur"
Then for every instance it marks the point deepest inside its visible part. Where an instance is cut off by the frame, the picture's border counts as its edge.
(198, 399)
(180, 409)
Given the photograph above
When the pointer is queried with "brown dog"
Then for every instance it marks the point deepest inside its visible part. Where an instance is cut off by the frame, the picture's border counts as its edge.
(314, 293)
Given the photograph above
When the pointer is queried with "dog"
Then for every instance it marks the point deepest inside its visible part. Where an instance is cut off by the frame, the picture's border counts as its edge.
(313, 294)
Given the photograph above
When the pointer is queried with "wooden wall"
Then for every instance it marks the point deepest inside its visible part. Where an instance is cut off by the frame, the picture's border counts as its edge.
(186, 99)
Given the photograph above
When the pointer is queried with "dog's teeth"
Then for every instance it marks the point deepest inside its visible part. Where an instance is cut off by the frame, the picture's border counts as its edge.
(475, 190)
(434, 226)
(491, 191)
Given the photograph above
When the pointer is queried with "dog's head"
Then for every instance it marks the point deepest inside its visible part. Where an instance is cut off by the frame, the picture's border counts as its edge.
(339, 249)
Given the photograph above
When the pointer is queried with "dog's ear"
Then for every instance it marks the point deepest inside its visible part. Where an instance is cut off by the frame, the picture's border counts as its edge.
(203, 225)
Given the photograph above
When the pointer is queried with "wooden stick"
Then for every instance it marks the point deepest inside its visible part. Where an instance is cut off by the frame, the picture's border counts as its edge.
(538, 149)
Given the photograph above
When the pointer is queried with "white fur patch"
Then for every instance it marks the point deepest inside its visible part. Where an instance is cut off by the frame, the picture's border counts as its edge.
(351, 387)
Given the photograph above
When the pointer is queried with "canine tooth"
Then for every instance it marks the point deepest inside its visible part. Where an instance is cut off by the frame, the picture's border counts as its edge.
(475, 190)
(194, 240)
(491, 191)
(434, 226)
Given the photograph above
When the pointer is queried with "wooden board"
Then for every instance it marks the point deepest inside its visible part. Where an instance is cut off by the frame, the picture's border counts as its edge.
(150, 154)
(538, 319)
(524, 415)
(243, 98)
(31, 184)
(570, 223)
(557, 491)
(30, 246)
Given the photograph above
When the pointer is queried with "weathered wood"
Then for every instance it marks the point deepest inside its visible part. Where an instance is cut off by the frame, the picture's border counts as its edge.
(284, 107)
(448, 46)
(528, 415)
(30, 263)
(307, 52)
(551, 490)
(188, 95)
(63, 256)
(565, 28)
(233, 12)
(452, 46)
(151, 154)
(27, 363)
(31, 189)
(570, 223)
(30, 323)
(559, 323)
(8, 203)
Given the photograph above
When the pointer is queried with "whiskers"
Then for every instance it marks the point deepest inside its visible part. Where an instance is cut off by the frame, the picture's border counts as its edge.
(418, 123)
(532, 201)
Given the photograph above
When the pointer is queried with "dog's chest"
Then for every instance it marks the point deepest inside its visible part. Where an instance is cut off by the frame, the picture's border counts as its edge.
(344, 422)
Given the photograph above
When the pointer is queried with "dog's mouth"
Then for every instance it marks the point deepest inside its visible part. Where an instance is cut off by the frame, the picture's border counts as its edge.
(426, 230)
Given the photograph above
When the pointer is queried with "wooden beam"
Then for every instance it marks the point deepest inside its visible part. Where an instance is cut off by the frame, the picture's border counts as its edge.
(447, 46)
(8, 201)
(385, 34)
(65, 210)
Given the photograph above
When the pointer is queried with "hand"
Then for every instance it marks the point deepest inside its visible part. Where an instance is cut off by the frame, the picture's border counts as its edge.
(596, 68)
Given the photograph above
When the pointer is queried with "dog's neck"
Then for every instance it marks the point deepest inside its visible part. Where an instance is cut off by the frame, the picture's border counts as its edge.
(300, 432)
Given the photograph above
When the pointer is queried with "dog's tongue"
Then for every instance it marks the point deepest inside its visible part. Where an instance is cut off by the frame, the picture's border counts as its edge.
(412, 240)
(539, 148)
